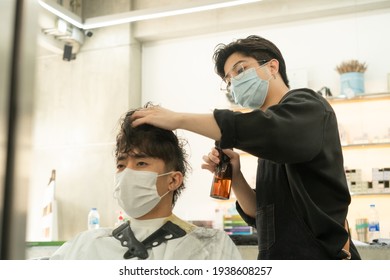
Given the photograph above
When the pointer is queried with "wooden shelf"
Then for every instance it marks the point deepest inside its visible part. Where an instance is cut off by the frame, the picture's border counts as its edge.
(360, 98)
(369, 193)
(366, 146)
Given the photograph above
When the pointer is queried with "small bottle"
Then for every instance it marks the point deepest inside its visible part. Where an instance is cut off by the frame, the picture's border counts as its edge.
(120, 219)
(52, 177)
(93, 219)
(218, 219)
(50, 212)
(373, 224)
(222, 181)
(52, 185)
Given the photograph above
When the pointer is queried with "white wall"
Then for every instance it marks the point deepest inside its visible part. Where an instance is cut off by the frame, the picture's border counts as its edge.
(179, 75)
(77, 107)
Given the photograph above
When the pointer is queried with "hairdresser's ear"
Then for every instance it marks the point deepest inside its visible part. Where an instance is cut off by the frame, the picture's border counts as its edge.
(274, 66)
(175, 180)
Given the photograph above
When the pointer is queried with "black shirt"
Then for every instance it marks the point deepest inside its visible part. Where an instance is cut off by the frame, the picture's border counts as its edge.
(301, 189)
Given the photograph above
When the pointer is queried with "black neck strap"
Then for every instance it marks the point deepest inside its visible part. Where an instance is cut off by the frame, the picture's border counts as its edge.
(125, 235)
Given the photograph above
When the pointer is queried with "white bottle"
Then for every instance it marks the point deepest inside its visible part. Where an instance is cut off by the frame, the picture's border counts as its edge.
(373, 224)
(93, 219)
(218, 219)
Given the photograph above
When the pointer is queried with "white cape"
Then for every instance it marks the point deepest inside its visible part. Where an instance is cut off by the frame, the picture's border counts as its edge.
(198, 244)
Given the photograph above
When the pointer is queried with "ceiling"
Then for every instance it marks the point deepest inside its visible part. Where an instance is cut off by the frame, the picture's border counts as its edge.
(264, 13)
(259, 14)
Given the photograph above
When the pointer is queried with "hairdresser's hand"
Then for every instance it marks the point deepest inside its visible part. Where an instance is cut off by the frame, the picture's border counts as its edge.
(212, 159)
(203, 124)
(157, 116)
(245, 195)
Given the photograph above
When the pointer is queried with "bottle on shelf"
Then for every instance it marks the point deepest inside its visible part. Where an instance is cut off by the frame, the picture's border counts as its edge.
(218, 218)
(120, 219)
(93, 219)
(50, 212)
(373, 224)
(52, 179)
(222, 181)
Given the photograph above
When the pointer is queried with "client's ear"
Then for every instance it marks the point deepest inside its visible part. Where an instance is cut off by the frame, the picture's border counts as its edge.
(176, 179)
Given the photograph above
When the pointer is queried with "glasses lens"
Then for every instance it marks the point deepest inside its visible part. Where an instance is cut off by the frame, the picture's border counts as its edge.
(238, 72)
(225, 86)
(239, 76)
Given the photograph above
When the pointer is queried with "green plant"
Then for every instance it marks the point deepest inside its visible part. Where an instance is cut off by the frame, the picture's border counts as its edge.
(351, 66)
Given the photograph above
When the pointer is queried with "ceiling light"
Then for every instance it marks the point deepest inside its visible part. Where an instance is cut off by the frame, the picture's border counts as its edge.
(62, 13)
(138, 15)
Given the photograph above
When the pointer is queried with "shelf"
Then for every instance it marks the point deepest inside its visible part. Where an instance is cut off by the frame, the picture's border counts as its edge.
(366, 146)
(370, 193)
(361, 98)
(44, 243)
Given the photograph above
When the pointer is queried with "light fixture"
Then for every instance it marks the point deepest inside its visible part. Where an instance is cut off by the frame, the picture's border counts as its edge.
(138, 15)
(72, 38)
(62, 13)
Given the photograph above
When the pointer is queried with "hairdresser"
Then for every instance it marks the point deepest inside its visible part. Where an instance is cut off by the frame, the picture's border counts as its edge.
(300, 204)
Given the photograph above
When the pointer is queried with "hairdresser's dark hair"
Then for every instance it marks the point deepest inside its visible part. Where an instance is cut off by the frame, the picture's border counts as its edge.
(252, 46)
(154, 142)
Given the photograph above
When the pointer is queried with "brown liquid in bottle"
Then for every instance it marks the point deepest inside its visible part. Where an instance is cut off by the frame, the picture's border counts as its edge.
(222, 181)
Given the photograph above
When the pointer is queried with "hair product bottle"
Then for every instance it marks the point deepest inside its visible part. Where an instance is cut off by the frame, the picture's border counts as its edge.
(222, 181)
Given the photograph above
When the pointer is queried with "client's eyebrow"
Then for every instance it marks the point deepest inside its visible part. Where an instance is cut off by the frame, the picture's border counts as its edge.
(138, 155)
(121, 159)
(124, 156)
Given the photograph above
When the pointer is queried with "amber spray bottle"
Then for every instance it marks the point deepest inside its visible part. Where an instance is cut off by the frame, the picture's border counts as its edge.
(222, 181)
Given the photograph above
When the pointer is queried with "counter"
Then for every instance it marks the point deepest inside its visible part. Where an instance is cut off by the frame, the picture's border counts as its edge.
(247, 245)
(41, 250)
(249, 252)
(374, 252)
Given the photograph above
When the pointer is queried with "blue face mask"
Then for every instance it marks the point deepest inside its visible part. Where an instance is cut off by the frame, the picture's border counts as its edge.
(250, 90)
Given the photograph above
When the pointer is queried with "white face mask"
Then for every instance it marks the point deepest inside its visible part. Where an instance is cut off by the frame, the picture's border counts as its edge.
(136, 191)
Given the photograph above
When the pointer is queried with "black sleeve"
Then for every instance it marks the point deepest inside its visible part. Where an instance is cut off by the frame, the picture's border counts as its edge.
(247, 219)
(289, 132)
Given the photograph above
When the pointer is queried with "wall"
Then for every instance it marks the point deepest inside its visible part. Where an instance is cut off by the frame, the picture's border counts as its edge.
(183, 80)
(77, 107)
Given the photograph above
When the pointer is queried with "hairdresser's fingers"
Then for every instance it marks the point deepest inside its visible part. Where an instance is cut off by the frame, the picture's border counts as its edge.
(213, 156)
(210, 160)
(208, 167)
(156, 116)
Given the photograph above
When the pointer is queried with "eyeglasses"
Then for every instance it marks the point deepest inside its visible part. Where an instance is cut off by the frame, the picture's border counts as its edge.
(237, 73)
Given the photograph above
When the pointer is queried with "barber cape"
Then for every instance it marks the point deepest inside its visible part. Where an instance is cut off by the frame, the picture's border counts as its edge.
(197, 244)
